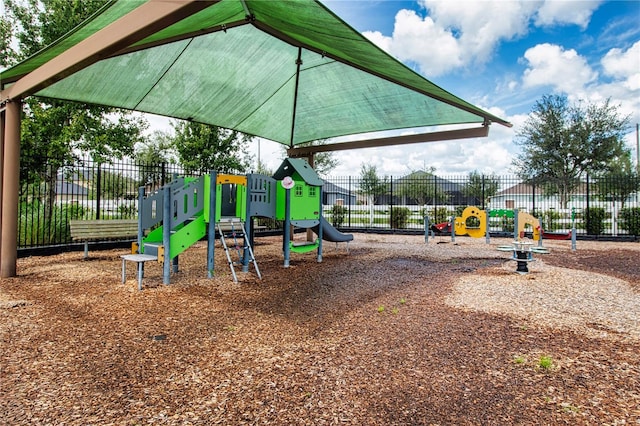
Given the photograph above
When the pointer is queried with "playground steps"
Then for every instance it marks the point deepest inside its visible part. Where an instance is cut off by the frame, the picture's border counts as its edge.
(234, 229)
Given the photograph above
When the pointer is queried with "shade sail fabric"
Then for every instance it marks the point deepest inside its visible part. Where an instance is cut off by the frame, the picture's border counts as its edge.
(289, 71)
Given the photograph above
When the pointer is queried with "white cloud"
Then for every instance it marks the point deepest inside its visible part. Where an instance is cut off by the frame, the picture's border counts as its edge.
(568, 72)
(551, 65)
(461, 34)
(480, 25)
(566, 12)
(418, 40)
(380, 40)
(624, 65)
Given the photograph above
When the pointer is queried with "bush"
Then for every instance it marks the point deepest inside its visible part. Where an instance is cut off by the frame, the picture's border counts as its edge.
(595, 220)
(337, 215)
(550, 220)
(399, 216)
(439, 215)
(38, 228)
(629, 220)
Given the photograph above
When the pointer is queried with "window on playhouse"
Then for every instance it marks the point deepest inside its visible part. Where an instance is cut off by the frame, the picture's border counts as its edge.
(298, 191)
(312, 191)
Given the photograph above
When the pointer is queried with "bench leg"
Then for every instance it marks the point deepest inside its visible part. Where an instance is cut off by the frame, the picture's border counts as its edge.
(86, 249)
(124, 271)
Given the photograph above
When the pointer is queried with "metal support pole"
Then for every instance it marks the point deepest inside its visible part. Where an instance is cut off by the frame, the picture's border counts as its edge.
(211, 232)
(141, 213)
(573, 229)
(166, 233)
(287, 227)
(541, 233)
(426, 229)
(320, 227)
(248, 226)
(10, 187)
(516, 234)
(488, 227)
(453, 229)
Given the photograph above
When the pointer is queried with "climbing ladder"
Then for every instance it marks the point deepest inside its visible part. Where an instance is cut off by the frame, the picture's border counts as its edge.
(233, 228)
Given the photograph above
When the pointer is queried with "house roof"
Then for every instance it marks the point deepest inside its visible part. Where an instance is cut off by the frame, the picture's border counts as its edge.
(70, 188)
(330, 187)
(527, 189)
(289, 71)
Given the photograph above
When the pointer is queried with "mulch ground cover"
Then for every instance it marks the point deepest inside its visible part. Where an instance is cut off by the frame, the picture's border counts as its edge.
(362, 338)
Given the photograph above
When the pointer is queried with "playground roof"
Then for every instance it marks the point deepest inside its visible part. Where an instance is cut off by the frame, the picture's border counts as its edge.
(289, 71)
(298, 165)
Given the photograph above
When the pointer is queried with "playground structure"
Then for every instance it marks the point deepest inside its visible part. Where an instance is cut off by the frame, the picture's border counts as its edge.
(481, 228)
(522, 251)
(186, 210)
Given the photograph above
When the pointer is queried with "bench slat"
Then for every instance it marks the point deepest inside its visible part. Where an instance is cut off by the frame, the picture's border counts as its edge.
(83, 230)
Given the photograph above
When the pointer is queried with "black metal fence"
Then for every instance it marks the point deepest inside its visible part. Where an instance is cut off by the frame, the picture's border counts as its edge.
(83, 190)
(88, 190)
(605, 206)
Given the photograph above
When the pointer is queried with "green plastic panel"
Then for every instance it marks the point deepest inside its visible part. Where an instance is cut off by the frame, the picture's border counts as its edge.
(187, 236)
(305, 201)
(304, 248)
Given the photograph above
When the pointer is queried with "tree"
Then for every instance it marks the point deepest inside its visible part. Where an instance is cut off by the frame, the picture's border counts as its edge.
(371, 186)
(202, 148)
(6, 51)
(561, 142)
(620, 181)
(53, 131)
(153, 150)
(481, 187)
(422, 186)
(323, 162)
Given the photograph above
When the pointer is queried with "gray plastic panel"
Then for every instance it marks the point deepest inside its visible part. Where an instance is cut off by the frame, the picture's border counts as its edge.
(261, 196)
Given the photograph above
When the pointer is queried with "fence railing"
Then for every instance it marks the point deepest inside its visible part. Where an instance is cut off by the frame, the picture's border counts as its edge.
(88, 190)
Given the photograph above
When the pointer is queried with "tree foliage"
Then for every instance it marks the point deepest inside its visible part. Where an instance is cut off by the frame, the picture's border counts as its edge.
(52, 131)
(421, 186)
(323, 162)
(481, 187)
(201, 148)
(372, 186)
(562, 141)
(155, 149)
(6, 51)
(620, 181)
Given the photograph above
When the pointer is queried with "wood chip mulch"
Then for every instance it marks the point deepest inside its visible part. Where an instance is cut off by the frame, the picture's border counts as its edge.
(368, 337)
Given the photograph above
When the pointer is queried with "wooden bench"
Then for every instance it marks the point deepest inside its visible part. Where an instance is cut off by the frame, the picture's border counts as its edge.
(102, 230)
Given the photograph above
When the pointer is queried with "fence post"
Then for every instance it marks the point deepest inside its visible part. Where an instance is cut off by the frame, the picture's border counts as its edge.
(483, 197)
(533, 202)
(585, 214)
(391, 202)
(98, 191)
(349, 196)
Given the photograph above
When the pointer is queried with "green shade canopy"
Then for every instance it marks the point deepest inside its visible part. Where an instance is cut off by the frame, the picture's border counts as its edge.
(288, 71)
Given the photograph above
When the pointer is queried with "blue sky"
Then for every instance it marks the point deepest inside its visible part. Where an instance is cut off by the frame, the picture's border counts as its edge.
(501, 56)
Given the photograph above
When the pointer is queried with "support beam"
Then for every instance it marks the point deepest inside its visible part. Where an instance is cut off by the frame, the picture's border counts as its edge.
(476, 132)
(2, 130)
(138, 24)
(10, 187)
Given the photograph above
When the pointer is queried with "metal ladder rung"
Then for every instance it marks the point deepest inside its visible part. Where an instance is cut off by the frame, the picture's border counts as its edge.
(245, 246)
